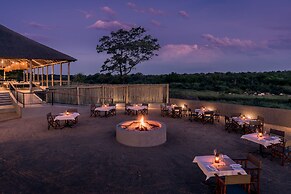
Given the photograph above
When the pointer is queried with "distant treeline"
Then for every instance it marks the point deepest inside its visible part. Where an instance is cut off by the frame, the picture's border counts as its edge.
(274, 82)
(239, 83)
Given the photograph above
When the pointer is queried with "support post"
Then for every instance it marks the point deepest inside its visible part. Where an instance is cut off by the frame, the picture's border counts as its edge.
(126, 95)
(47, 69)
(33, 75)
(69, 79)
(53, 72)
(23, 74)
(61, 74)
(26, 75)
(42, 76)
(30, 76)
(4, 75)
(38, 74)
(167, 95)
(78, 95)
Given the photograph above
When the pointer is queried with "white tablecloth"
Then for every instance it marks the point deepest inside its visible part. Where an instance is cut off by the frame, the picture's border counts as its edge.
(137, 108)
(200, 111)
(242, 121)
(209, 168)
(266, 140)
(105, 109)
(65, 117)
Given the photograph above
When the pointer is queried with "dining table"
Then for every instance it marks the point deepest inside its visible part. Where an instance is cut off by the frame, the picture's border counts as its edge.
(105, 110)
(224, 167)
(264, 140)
(136, 108)
(68, 117)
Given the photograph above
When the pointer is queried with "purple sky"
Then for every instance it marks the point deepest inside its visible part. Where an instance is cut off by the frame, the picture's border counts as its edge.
(195, 35)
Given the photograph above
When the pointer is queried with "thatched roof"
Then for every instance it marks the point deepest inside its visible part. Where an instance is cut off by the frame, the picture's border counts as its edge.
(17, 46)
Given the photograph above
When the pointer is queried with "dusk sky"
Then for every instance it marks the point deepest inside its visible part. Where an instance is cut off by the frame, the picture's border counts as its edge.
(195, 35)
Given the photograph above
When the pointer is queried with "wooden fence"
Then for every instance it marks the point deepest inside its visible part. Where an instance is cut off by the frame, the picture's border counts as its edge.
(90, 94)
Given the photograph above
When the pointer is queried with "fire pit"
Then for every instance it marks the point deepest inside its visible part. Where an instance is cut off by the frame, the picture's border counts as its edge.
(141, 133)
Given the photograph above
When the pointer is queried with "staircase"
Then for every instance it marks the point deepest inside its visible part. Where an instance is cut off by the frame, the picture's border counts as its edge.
(7, 110)
(5, 99)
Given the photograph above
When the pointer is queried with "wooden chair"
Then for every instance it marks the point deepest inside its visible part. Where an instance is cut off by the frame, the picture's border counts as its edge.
(278, 133)
(253, 166)
(253, 126)
(216, 116)
(177, 112)
(127, 110)
(283, 151)
(208, 117)
(193, 115)
(235, 114)
(145, 111)
(233, 184)
(51, 122)
(228, 124)
(93, 113)
(164, 110)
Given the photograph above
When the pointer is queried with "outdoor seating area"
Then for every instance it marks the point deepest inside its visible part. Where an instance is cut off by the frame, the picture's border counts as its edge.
(140, 169)
(67, 118)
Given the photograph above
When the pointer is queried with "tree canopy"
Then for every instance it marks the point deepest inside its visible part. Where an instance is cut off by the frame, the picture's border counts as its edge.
(127, 49)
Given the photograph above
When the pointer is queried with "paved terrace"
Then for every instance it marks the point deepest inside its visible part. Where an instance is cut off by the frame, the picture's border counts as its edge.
(87, 158)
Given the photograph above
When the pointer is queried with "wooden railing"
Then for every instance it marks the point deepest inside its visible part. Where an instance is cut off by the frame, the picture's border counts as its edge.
(90, 94)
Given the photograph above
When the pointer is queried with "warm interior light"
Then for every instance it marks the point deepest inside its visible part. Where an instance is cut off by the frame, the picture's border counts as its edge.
(260, 134)
(67, 113)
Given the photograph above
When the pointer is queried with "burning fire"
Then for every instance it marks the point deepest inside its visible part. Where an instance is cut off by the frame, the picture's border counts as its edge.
(142, 122)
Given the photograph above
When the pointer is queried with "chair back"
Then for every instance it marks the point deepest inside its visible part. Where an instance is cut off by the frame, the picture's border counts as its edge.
(209, 113)
(112, 104)
(72, 110)
(254, 160)
(235, 114)
(145, 104)
(237, 179)
(255, 123)
(227, 119)
(277, 132)
(49, 117)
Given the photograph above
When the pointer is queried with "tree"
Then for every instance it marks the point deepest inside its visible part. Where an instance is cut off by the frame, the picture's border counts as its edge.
(127, 49)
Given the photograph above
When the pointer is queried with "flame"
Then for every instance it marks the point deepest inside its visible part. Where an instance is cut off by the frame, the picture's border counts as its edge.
(142, 121)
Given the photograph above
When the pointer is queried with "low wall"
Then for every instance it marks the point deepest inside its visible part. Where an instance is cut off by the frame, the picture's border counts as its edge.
(273, 116)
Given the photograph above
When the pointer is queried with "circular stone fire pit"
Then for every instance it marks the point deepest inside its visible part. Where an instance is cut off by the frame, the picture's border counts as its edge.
(141, 133)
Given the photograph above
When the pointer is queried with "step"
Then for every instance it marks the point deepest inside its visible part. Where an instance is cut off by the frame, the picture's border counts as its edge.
(8, 116)
(7, 109)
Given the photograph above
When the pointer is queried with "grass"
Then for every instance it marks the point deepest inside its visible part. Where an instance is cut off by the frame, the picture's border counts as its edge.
(271, 101)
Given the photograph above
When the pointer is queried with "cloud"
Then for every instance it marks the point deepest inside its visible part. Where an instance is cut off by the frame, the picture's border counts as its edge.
(178, 49)
(40, 26)
(183, 14)
(86, 14)
(108, 10)
(229, 42)
(156, 23)
(187, 53)
(109, 25)
(150, 10)
(155, 11)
